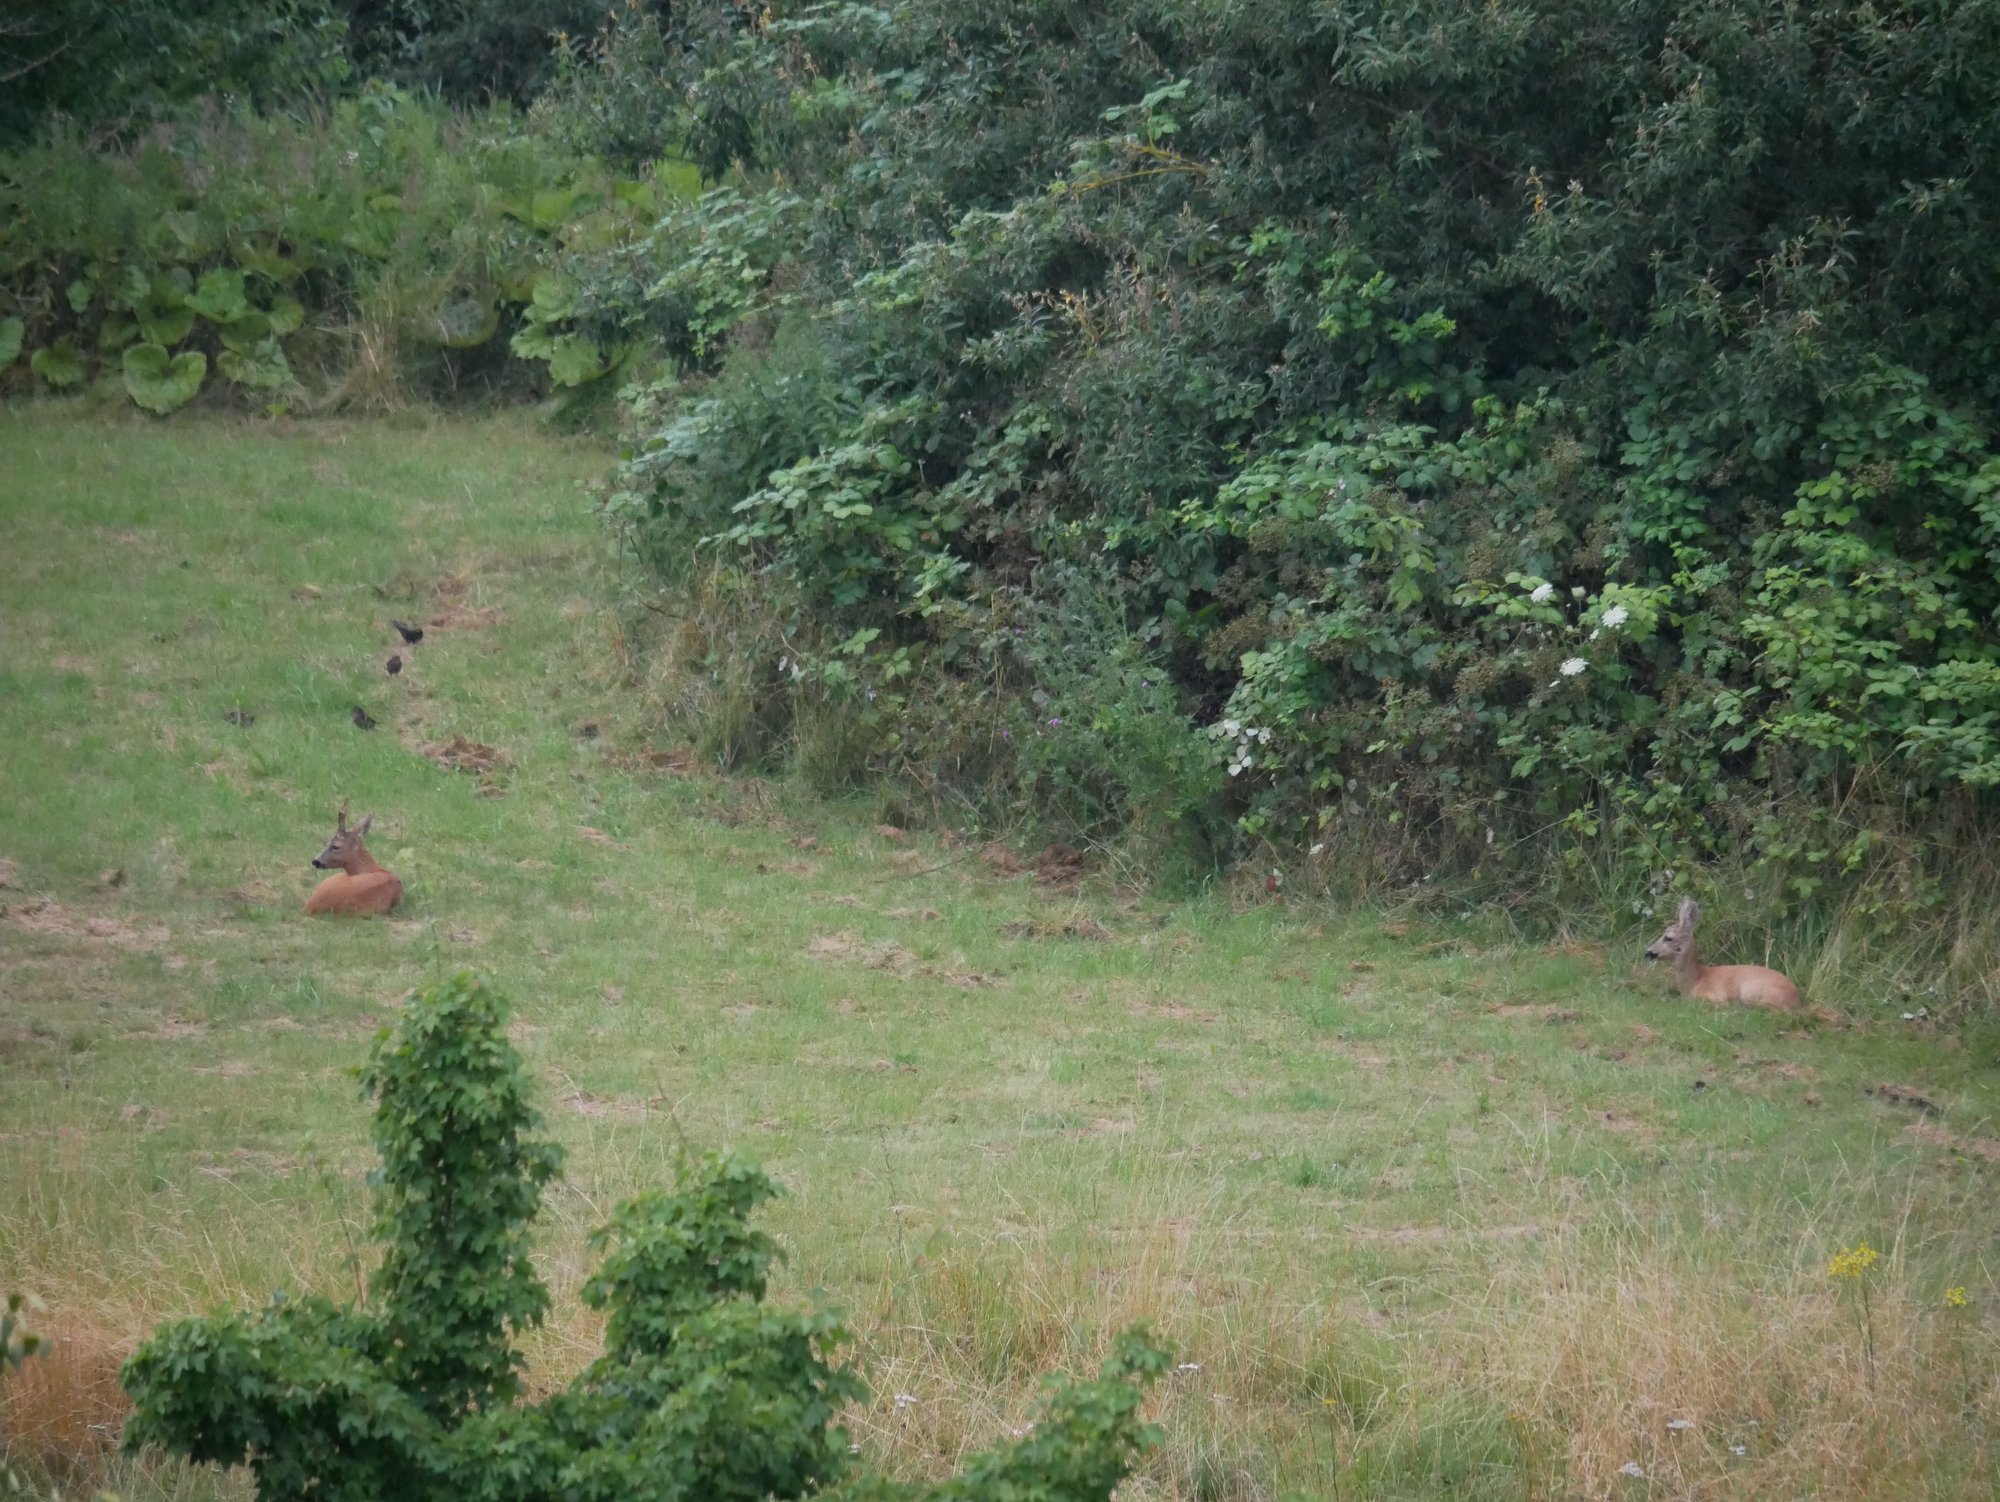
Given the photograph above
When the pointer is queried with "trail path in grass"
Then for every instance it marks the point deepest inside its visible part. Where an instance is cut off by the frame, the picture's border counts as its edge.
(1416, 1205)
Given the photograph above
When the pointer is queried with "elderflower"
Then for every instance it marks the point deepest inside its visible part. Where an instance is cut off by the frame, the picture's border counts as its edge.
(1573, 666)
(1543, 593)
(1851, 1264)
(1615, 617)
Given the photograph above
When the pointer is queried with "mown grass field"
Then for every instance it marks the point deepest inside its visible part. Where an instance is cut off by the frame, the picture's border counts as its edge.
(1426, 1213)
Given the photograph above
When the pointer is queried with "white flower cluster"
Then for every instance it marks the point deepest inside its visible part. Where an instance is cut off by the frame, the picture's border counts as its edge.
(1244, 739)
(1615, 617)
(1543, 593)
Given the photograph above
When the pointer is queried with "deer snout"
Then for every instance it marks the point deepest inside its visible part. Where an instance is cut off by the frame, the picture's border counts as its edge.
(320, 865)
(1654, 953)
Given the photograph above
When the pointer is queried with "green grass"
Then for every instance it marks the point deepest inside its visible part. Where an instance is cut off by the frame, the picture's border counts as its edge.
(1429, 1213)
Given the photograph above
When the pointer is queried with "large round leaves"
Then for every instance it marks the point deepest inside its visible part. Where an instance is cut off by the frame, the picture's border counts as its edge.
(160, 382)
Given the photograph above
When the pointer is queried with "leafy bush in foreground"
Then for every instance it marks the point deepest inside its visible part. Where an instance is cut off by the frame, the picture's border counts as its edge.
(703, 1391)
(1525, 431)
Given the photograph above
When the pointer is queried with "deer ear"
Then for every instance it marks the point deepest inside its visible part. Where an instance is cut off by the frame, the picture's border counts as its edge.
(340, 820)
(1690, 912)
(362, 828)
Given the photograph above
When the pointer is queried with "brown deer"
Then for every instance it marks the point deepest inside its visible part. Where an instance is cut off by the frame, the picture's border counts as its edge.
(1745, 985)
(363, 888)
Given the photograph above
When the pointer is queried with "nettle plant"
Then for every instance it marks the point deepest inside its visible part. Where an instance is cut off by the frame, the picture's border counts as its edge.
(703, 1390)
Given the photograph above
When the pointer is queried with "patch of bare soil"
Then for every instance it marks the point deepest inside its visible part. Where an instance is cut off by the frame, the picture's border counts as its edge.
(52, 918)
(583, 1103)
(847, 947)
(1985, 1149)
(1903, 1095)
(457, 617)
(1053, 865)
(1169, 1011)
(1056, 928)
(1535, 1013)
(675, 761)
(1436, 1235)
(463, 754)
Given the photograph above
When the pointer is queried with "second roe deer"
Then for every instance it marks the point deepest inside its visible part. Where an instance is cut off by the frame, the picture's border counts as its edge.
(1746, 985)
(363, 888)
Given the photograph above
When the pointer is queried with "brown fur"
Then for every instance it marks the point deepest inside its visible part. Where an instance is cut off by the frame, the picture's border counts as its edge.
(1743, 985)
(364, 888)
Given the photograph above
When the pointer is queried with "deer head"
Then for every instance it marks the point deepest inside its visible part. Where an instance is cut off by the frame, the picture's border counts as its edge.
(1679, 933)
(345, 845)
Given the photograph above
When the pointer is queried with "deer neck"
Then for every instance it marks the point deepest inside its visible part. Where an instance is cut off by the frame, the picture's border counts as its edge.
(359, 862)
(1687, 967)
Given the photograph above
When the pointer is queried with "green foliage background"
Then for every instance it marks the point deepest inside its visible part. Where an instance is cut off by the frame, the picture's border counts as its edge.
(1541, 444)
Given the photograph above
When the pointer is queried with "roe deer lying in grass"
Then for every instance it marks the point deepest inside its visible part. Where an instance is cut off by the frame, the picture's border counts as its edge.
(1747, 985)
(363, 888)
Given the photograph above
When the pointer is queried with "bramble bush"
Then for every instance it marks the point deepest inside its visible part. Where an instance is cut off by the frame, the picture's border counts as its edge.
(1564, 435)
(703, 1390)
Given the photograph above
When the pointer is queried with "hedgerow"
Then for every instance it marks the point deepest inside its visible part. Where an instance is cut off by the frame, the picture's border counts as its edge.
(1547, 448)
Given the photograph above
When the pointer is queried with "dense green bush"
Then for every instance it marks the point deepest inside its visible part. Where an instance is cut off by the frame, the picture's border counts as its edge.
(379, 249)
(471, 52)
(1517, 431)
(703, 1390)
(107, 68)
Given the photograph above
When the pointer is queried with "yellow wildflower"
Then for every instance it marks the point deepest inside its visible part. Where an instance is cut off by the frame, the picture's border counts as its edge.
(1852, 1263)
(1954, 1298)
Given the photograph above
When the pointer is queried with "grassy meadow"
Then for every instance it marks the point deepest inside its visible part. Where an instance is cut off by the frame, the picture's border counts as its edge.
(1426, 1212)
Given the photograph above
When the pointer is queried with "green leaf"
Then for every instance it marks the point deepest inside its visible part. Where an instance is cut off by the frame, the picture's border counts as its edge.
(286, 314)
(134, 290)
(164, 314)
(185, 228)
(464, 320)
(549, 209)
(167, 325)
(220, 297)
(241, 333)
(117, 331)
(160, 382)
(274, 259)
(261, 365)
(576, 360)
(59, 364)
(80, 294)
(11, 330)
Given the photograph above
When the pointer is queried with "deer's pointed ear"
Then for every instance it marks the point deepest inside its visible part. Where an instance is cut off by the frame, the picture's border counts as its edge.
(340, 820)
(362, 827)
(1690, 911)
